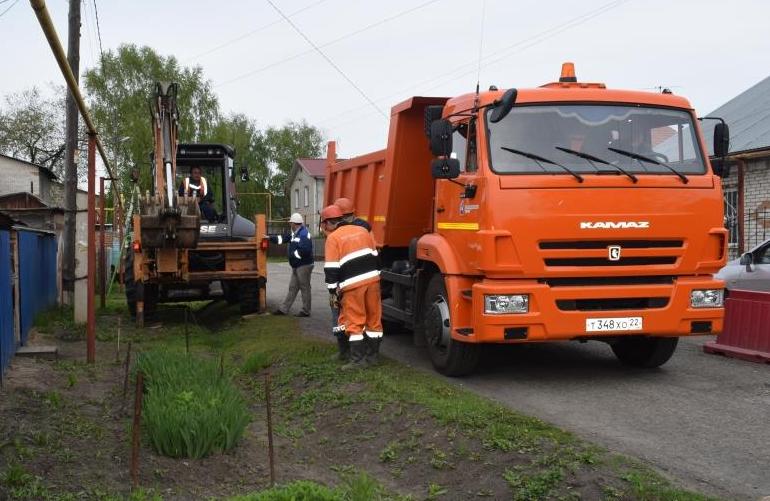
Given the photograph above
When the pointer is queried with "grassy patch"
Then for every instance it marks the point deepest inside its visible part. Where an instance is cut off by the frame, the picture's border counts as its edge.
(257, 362)
(354, 487)
(190, 410)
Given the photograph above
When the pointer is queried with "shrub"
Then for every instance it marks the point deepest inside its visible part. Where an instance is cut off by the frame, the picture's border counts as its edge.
(256, 362)
(189, 410)
(300, 490)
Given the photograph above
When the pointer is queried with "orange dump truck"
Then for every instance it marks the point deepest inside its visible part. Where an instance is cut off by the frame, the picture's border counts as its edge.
(565, 212)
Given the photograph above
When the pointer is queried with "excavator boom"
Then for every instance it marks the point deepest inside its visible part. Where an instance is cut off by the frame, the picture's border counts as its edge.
(167, 219)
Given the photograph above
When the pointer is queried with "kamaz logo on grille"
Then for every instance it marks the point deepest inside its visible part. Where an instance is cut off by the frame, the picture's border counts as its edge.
(611, 225)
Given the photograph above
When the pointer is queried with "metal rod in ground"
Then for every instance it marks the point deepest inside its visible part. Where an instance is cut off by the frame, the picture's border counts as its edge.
(135, 430)
(271, 456)
(91, 302)
(125, 377)
(102, 247)
(221, 365)
(117, 348)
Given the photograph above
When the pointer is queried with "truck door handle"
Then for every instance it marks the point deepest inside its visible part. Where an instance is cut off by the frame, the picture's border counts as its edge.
(440, 209)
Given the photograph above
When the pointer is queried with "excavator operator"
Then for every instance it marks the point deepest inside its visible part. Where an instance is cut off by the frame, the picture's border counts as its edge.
(196, 185)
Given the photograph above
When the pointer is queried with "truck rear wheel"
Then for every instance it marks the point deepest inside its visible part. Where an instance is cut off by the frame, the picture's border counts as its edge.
(449, 356)
(644, 352)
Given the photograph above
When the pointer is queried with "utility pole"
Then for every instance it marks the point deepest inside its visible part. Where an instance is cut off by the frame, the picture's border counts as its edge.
(70, 165)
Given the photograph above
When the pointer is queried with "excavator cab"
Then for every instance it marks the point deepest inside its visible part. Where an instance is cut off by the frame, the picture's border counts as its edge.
(218, 207)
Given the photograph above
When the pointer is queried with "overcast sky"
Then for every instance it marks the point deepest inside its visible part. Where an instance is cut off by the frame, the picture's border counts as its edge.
(706, 50)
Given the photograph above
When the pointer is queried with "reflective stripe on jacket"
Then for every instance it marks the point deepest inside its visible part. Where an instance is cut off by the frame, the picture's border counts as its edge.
(202, 190)
(351, 258)
(300, 248)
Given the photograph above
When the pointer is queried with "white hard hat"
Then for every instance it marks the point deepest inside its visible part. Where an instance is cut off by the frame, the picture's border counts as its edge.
(296, 218)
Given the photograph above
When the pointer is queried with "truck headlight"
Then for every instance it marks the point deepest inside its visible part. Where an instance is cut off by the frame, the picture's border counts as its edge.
(707, 298)
(507, 303)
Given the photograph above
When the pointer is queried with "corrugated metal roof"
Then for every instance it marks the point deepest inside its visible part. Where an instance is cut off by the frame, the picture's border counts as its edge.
(748, 115)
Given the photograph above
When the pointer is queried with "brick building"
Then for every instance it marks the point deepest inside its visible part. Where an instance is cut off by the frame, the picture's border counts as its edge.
(747, 187)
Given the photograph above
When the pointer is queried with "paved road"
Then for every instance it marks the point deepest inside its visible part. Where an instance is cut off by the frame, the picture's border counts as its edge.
(702, 419)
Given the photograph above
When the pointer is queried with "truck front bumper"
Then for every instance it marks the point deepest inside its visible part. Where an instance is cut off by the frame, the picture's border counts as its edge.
(549, 320)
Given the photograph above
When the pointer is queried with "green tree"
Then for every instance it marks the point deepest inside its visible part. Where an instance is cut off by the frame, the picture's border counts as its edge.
(32, 128)
(119, 89)
(284, 145)
(243, 134)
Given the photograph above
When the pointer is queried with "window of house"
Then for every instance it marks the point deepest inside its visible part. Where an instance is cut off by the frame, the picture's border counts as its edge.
(307, 196)
(296, 199)
(731, 215)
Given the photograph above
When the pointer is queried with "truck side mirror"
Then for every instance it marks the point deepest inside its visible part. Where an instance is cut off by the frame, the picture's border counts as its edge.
(503, 106)
(747, 259)
(441, 138)
(721, 167)
(244, 174)
(445, 168)
(721, 139)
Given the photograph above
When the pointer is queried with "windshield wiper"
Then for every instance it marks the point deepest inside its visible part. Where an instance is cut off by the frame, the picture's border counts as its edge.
(591, 159)
(642, 158)
(542, 160)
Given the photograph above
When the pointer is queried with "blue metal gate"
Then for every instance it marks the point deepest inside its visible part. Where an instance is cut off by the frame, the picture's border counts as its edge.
(7, 344)
(37, 276)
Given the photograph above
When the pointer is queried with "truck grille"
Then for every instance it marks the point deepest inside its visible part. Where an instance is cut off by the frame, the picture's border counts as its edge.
(608, 281)
(601, 261)
(603, 244)
(609, 304)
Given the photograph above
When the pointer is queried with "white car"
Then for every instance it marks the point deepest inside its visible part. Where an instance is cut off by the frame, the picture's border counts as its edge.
(750, 272)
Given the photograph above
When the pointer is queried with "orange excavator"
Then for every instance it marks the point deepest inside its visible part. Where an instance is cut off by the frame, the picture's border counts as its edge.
(179, 254)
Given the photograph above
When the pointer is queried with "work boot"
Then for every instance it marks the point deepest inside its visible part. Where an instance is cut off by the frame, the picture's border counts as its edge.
(343, 348)
(357, 356)
(372, 350)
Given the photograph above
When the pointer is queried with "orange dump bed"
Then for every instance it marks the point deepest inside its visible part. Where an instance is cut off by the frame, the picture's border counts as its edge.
(392, 189)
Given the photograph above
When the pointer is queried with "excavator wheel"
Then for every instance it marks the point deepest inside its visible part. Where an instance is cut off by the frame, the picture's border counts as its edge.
(150, 291)
(248, 292)
(128, 282)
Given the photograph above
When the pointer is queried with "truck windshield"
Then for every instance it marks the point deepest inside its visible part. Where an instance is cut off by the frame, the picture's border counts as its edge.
(586, 139)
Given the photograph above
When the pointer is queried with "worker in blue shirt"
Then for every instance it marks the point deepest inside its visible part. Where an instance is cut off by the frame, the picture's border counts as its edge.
(300, 252)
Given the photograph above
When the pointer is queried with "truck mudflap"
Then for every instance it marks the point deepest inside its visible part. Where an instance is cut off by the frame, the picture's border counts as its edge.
(176, 227)
(582, 312)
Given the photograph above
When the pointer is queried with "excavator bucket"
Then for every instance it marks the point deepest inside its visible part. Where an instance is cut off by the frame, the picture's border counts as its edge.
(175, 227)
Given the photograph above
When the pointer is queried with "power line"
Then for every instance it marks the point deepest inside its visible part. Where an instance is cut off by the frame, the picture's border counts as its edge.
(470, 66)
(328, 60)
(88, 27)
(99, 32)
(9, 8)
(326, 44)
(255, 30)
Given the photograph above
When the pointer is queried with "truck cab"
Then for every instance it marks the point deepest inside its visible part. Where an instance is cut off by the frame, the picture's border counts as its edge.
(565, 212)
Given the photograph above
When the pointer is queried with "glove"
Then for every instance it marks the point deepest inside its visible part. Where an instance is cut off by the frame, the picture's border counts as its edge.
(334, 300)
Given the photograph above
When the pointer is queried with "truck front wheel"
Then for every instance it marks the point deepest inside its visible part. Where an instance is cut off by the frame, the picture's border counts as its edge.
(449, 356)
(644, 352)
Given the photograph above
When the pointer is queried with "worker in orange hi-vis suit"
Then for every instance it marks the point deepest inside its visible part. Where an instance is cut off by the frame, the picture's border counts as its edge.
(353, 281)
